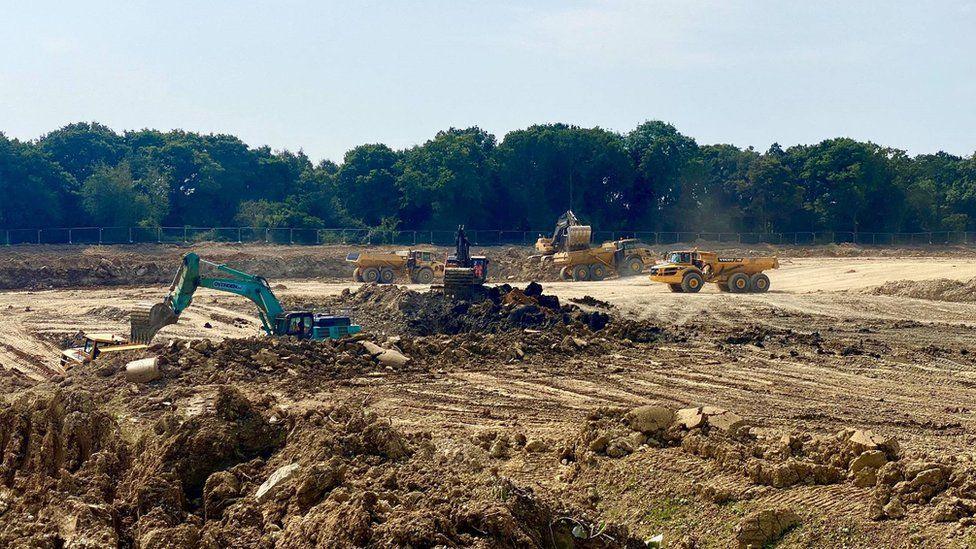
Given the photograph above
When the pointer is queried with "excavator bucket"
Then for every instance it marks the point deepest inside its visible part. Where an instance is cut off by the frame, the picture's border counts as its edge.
(147, 319)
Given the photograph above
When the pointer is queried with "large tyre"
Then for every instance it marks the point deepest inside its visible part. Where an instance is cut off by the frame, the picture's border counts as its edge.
(598, 271)
(739, 283)
(759, 283)
(692, 282)
(371, 275)
(387, 275)
(564, 274)
(425, 275)
(357, 275)
(633, 266)
(581, 272)
(675, 288)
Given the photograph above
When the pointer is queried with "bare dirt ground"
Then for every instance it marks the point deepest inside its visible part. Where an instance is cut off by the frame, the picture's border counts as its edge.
(516, 417)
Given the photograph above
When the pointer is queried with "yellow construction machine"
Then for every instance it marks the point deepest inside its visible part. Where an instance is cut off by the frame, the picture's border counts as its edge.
(569, 235)
(626, 257)
(688, 270)
(418, 266)
(96, 345)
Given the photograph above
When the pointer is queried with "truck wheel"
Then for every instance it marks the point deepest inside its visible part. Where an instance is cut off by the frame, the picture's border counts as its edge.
(357, 275)
(564, 274)
(675, 288)
(425, 275)
(692, 282)
(760, 283)
(581, 272)
(739, 283)
(632, 266)
(387, 276)
(598, 272)
(371, 275)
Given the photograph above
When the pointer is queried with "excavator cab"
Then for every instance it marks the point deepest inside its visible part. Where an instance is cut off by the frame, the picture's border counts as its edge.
(296, 324)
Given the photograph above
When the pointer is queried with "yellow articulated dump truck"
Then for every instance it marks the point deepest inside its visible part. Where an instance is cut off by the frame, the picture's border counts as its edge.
(688, 271)
(625, 257)
(418, 266)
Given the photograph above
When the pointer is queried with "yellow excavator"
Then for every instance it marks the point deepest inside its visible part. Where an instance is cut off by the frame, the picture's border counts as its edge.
(569, 235)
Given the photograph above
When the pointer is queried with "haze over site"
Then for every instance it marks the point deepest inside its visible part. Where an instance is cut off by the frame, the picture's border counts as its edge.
(325, 77)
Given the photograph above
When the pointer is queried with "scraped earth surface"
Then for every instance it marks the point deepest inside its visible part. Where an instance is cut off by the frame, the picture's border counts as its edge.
(831, 411)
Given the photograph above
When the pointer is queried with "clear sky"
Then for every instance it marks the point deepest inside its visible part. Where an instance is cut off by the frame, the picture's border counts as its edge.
(326, 76)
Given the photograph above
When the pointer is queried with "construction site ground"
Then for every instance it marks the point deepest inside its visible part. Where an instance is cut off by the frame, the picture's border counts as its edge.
(838, 342)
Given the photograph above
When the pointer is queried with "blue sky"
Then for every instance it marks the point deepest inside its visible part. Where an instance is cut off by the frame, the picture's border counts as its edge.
(324, 76)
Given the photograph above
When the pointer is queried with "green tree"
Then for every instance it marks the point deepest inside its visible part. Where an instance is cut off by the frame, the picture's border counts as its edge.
(113, 198)
(32, 187)
(367, 183)
(544, 170)
(665, 163)
(444, 181)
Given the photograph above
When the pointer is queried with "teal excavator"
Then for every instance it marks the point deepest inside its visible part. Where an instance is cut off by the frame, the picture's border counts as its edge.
(147, 320)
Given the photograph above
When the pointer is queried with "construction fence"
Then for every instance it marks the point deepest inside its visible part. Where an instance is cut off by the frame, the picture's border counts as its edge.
(479, 237)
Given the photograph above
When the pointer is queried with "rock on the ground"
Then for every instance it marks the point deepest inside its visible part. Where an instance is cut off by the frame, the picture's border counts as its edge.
(758, 529)
(711, 416)
(650, 419)
(865, 440)
(276, 482)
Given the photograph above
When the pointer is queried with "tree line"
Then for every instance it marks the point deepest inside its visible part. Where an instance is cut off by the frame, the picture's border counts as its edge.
(651, 178)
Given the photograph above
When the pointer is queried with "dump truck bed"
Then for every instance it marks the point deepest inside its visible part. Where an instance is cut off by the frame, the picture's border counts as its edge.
(392, 260)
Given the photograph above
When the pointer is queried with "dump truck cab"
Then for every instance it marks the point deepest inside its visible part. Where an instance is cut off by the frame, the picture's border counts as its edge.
(688, 270)
(95, 345)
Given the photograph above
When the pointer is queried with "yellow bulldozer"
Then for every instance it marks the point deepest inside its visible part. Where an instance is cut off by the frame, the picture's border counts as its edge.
(418, 266)
(96, 345)
(625, 257)
(688, 270)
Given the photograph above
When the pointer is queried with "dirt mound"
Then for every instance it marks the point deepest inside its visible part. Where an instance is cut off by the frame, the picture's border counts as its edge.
(397, 310)
(248, 474)
(941, 289)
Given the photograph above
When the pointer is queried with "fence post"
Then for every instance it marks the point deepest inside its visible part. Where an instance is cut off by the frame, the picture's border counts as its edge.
(39, 236)
(130, 235)
(8, 237)
(291, 236)
(159, 234)
(100, 236)
(239, 235)
(69, 237)
(184, 234)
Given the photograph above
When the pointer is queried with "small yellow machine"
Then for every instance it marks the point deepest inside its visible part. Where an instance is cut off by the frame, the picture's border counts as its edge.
(418, 266)
(625, 257)
(687, 271)
(569, 235)
(96, 345)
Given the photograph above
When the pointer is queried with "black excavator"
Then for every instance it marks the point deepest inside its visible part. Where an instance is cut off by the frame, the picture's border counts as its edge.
(464, 274)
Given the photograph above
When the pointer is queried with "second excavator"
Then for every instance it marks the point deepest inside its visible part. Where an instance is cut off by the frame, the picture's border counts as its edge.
(147, 320)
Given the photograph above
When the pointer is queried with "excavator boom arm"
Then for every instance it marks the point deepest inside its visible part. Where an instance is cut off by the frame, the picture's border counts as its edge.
(146, 321)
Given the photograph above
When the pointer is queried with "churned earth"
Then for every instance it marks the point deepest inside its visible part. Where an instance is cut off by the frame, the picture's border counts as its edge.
(834, 410)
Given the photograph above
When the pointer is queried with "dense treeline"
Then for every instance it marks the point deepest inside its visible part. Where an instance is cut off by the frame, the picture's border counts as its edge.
(652, 178)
